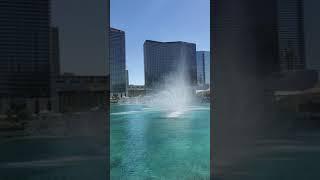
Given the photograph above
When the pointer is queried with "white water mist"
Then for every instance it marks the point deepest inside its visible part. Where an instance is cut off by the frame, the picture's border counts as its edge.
(175, 94)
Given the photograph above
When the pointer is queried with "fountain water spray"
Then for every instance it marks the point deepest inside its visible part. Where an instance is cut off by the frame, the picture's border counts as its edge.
(174, 91)
(174, 96)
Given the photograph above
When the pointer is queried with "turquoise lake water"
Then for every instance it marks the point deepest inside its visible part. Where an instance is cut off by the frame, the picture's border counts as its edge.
(151, 143)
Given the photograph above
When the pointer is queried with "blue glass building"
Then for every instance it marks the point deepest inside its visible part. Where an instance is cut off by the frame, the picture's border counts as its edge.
(118, 73)
(203, 68)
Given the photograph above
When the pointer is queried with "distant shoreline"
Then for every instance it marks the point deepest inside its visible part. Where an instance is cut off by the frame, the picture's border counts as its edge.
(91, 123)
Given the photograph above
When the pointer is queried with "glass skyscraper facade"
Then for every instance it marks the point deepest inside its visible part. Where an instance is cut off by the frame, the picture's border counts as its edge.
(118, 73)
(24, 48)
(54, 52)
(203, 68)
(291, 35)
(163, 58)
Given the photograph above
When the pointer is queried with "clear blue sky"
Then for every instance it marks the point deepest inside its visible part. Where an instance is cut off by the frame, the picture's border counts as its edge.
(159, 20)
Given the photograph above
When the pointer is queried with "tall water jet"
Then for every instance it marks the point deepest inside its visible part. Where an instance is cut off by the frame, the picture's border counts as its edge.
(170, 73)
(175, 93)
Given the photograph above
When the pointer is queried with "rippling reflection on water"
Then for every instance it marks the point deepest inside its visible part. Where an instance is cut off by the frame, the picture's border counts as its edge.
(289, 151)
(46, 158)
(151, 143)
(70, 146)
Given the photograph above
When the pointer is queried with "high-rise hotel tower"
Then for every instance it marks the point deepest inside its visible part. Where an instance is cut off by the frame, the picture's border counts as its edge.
(164, 58)
(24, 50)
(291, 35)
(118, 73)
